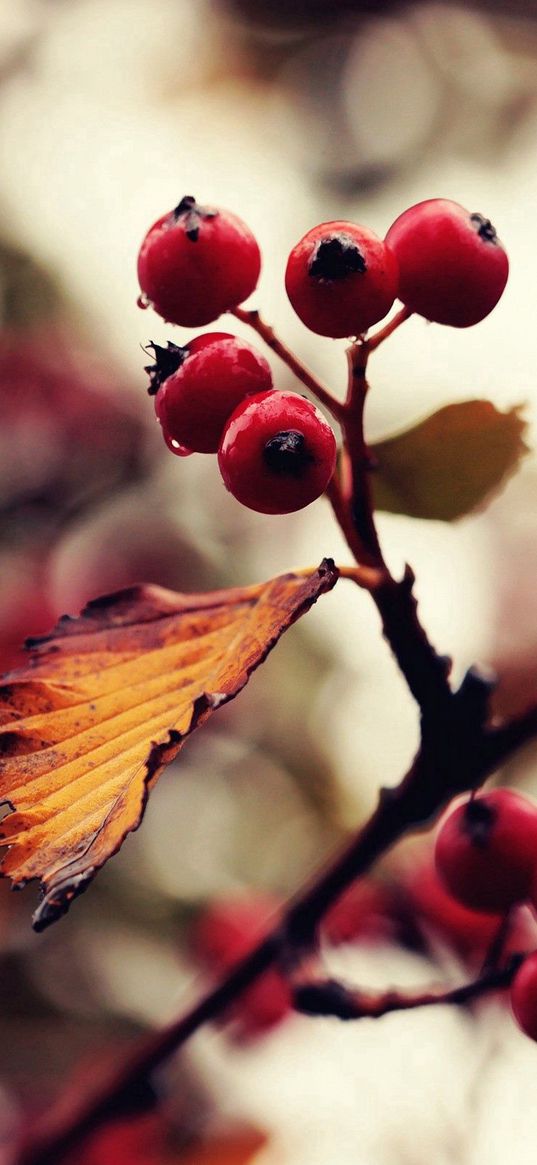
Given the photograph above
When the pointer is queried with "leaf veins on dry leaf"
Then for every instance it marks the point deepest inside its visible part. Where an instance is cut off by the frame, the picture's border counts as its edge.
(106, 702)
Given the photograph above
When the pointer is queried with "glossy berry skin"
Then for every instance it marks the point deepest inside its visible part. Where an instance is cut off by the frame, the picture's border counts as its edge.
(214, 373)
(174, 446)
(278, 453)
(340, 279)
(524, 996)
(452, 266)
(197, 262)
(486, 850)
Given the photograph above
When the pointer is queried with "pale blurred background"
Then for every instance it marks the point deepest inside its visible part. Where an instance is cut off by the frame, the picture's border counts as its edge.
(289, 114)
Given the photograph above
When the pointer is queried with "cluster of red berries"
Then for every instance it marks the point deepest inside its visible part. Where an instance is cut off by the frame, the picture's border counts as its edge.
(485, 864)
(276, 451)
(439, 260)
(486, 856)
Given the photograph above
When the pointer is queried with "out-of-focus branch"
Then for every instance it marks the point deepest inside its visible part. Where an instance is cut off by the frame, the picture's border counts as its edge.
(333, 998)
(442, 768)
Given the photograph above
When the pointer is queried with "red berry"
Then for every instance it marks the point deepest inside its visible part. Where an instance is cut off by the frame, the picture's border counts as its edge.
(486, 850)
(197, 262)
(436, 912)
(199, 386)
(524, 996)
(363, 913)
(278, 453)
(174, 446)
(340, 279)
(227, 931)
(452, 266)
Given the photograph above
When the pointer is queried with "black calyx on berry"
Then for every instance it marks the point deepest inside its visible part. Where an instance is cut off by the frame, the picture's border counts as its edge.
(197, 262)
(337, 257)
(192, 215)
(341, 278)
(277, 452)
(452, 266)
(484, 228)
(479, 819)
(167, 361)
(287, 453)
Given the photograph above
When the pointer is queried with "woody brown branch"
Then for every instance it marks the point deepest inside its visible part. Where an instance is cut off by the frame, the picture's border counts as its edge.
(458, 751)
(463, 754)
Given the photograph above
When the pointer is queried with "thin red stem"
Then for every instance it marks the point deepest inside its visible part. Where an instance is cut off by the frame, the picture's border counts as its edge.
(308, 378)
(496, 948)
(359, 506)
(426, 673)
(333, 998)
(379, 337)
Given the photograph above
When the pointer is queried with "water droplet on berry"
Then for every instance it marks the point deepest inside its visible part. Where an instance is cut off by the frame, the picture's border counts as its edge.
(142, 302)
(175, 446)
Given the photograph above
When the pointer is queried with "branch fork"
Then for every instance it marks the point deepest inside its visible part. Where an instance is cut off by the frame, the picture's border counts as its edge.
(459, 748)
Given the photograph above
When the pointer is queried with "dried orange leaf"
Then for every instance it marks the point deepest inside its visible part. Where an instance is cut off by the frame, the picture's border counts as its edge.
(450, 463)
(106, 702)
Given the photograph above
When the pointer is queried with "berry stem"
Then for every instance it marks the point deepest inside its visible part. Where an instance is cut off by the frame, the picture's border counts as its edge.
(267, 333)
(349, 493)
(379, 337)
(333, 998)
(340, 505)
(494, 954)
(359, 459)
(426, 673)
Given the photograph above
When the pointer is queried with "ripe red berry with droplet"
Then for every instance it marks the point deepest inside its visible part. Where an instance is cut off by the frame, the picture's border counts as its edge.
(174, 446)
(486, 850)
(278, 453)
(197, 262)
(199, 386)
(452, 265)
(341, 278)
(524, 996)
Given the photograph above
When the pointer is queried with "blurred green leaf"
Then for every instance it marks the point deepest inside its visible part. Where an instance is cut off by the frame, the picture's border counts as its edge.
(29, 293)
(448, 464)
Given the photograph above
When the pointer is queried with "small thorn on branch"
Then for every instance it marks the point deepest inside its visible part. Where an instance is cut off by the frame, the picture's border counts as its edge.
(387, 796)
(480, 680)
(409, 578)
